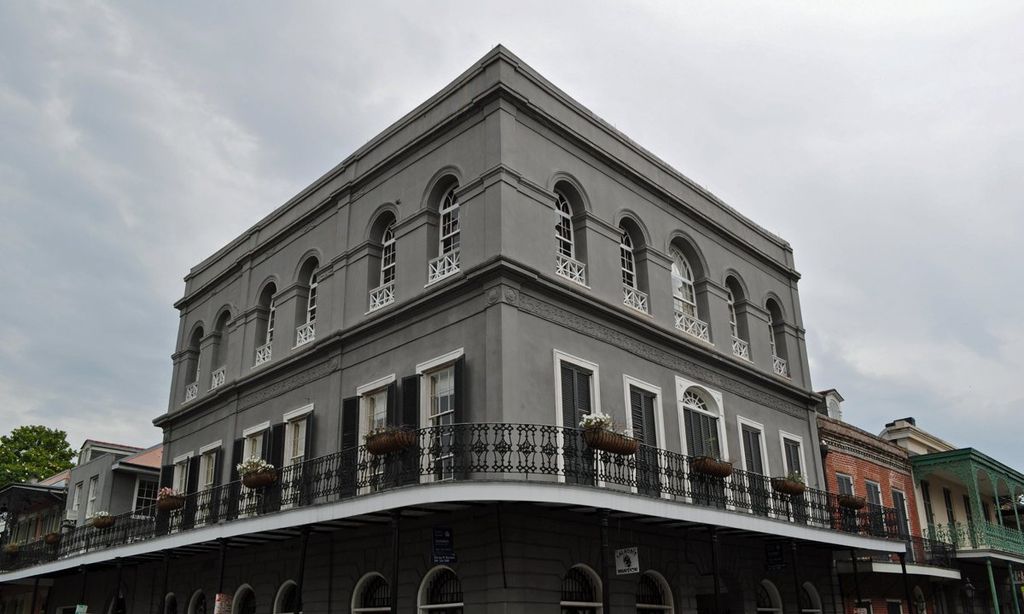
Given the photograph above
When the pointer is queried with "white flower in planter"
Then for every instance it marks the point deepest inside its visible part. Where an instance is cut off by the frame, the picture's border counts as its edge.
(253, 464)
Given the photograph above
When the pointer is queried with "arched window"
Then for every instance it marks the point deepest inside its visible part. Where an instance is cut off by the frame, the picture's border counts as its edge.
(244, 601)
(265, 327)
(440, 592)
(777, 338)
(372, 594)
(768, 599)
(737, 321)
(581, 591)
(193, 364)
(653, 594)
(684, 298)
(700, 420)
(170, 604)
(287, 601)
(197, 605)
(810, 600)
(627, 263)
(305, 312)
(385, 268)
(220, 350)
(634, 279)
(563, 227)
(447, 261)
(311, 300)
(387, 256)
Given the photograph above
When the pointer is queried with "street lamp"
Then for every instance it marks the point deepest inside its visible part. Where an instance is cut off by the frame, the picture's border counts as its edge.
(969, 593)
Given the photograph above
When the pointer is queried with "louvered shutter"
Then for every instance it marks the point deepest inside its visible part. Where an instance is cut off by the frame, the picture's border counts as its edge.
(636, 408)
(217, 494)
(307, 485)
(410, 402)
(461, 386)
(163, 518)
(272, 493)
(349, 457)
(234, 487)
(568, 398)
(459, 440)
(582, 394)
(191, 484)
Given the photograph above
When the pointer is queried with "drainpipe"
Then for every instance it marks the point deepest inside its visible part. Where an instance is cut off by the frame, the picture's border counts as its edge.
(992, 586)
(606, 589)
(714, 566)
(856, 578)
(302, 567)
(796, 576)
(396, 516)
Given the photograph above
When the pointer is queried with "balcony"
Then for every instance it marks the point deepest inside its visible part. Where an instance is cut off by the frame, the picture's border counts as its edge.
(305, 333)
(779, 366)
(631, 297)
(191, 391)
(488, 453)
(980, 535)
(382, 296)
(740, 348)
(443, 266)
(573, 270)
(217, 378)
(263, 354)
(695, 327)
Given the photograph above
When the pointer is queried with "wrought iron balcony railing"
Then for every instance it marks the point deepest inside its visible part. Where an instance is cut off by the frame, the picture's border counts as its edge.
(693, 326)
(461, 452)
(443, 266)
(741, 348)
(571, 269)
(305, 333)
(923, 551)
(631, 297)
(191, 391)
(217, 378)
(382, 296)
(979, 535)
(263, 354)
(779, 366)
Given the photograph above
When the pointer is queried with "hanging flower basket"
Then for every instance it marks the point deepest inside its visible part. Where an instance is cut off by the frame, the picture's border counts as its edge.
(102, 522)
(170, 502)
(851, 502)
(11, 549)
(610, 441)
(52, 539)
(386, 441)
(259, 479)
(711, 466)
(787, 486)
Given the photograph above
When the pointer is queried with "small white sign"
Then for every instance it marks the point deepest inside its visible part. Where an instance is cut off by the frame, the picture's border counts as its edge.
(222, 603)
(627, 561)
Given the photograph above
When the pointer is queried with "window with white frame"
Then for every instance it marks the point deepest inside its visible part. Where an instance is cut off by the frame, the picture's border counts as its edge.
(375, 410)
(449, 235)
(627, 261)
(207, 470)
(180, 481)
(731, 302)
(271, 316)
(311, 300)
(295, 441)
(372, 594)
(844, 483)
(792, 455)
(563, 227)
(701, 424)
(387, 257)
(683, 293)
(76, 499)
(145, 494)
(441, 412)
(90, 502)
(253, 444)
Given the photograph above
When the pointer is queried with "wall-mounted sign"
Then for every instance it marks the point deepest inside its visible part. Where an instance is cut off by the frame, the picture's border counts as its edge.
(443, 549)
(222, 603)
(81, 609)
(627, 561)
(774, 556)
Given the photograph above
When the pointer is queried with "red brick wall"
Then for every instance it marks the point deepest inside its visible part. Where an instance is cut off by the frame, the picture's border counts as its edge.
(861, 470)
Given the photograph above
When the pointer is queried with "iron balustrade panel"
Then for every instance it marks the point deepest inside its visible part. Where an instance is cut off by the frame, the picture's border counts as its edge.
(483, 451)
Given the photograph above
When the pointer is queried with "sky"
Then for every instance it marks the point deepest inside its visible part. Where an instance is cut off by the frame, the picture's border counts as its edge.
(884, 141)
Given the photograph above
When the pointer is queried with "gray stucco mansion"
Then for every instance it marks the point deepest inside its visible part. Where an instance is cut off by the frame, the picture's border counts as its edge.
(413, 341)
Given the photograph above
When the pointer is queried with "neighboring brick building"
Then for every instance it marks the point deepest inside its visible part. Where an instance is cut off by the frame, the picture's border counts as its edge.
(863, 465)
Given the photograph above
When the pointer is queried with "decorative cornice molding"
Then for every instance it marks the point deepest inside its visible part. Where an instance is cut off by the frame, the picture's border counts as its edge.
(289, 383)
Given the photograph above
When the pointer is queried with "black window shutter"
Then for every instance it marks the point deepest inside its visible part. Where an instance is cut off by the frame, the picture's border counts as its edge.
(460, 439)
(582, 394)
(273, 492)
(265, 448)
(237, 450)
(191, 483)
(410, 418)
(568, 398)
(636, 407)
(461, 385)
(217, 495)
(233, 489)
(349, 446)
(309, 437)
(393, 418)
(307, 467)
(163, 518)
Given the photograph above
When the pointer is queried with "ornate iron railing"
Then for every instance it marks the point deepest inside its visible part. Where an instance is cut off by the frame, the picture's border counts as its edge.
(382, 296)
(779, 366)
(217, 378)
(631, 297)
(923, 551)
(741, 348)
(305, 333)
(443, 266)
(571, 269)
(263, 354)
(191, 391)
(979, 535)
(487, 451)
(693, 326)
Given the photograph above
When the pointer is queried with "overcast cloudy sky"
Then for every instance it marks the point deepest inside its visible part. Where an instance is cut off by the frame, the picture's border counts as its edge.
(883, 140)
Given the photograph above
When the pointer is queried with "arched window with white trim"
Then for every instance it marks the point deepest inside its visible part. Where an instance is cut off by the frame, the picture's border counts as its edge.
(287, 600)
(810, 600)
(568, 255)
(701, 423)
(449, 238)
(372, 594)
(387, 255)
(385, 268)
(684, 298)
(768, 598)
(634, 278)
(305, 313)
(170, 604)
(563, 227)
(244, 601)
(737, 320)
(197, 604)
(440, 592)
(627, 261)
(266, 321)
(194, 359)
(777, 338)
(311, 299)
(653, 594)
(581, 591)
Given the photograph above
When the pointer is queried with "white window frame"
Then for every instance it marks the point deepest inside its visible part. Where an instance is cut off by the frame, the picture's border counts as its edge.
(180, 464)
(757, 426)
(679, 257)
(783, 436)
(730, 302)
(564, 221)
(659, 418)
(853, 483)
(290, 419)
(682, 385)
(206, 459)
(424, 370)
(311, 297)
(626, 256)
(357, 594)
(595, 398)
(271, 321)
(449, 202)
(91, 496)
(77, 500)
(388, 244)
(365, 391)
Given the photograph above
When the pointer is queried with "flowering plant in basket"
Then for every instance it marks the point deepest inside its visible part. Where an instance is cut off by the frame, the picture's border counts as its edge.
(599, 433)
(387, 439)
(169, 499)
(256, 472)
(793, 484)
(102, 520)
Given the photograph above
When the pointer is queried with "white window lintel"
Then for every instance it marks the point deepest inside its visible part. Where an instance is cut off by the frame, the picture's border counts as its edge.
(211, 446)
(296, 414)
(376, 384)
(439, 361)
(183, 457)
(256, 429)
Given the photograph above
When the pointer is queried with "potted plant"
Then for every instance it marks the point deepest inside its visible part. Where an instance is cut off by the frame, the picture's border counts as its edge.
(599, 433)
(102, 520)
(256, 472)
(52, 538)
(792, 485)
(388, 439)
(11, 549)
(851, 502)
(168, 499)
(711, 465)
